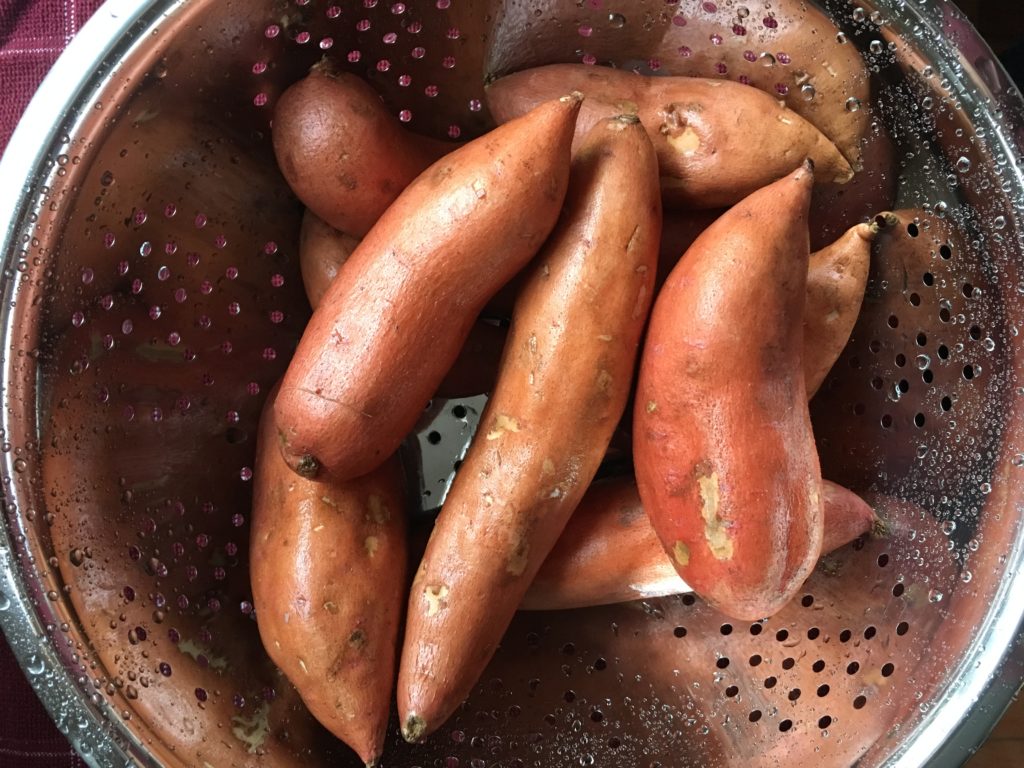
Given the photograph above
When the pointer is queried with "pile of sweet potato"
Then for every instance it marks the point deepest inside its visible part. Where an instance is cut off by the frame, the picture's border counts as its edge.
(536, 264)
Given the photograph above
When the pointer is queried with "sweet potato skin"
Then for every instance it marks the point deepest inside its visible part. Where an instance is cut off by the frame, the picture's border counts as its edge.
(322, 252)
(392, 323)
(562, 387)
(610, 553)
(725, 458)
(836, 278)
(328, 569)
(717, 141)
(343, 155)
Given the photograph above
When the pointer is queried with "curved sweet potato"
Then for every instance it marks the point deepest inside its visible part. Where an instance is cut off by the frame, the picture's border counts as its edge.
(328, 564)
(393, 322)
(836, 277)
(725, 457)
(609, 553)
(717, 141)
(342, 153)
(562, 386)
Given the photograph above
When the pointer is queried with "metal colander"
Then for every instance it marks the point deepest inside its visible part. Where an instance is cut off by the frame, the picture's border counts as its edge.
(152, 297)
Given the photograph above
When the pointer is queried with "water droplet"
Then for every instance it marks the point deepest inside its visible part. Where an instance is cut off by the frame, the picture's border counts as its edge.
(923, 361)
(963, 165)
(5, 602)
(966, 577)
(948, 526)
(766, 59)
(876, 47)
(616, 20)
(985, 488)
(935, 596)
(35, 665)
(859, 14)
(807, 91)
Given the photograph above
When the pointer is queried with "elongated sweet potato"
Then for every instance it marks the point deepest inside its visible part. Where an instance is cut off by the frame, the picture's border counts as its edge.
(725, 458)
(717, 141)
(609, 553)
(562, 387)
(342, 153)
(394, 321)
(322, 252)
(328, 565)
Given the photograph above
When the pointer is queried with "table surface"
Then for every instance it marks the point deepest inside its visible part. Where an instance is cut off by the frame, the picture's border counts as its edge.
(32, 34)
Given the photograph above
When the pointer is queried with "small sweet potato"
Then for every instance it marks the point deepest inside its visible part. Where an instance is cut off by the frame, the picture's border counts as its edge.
(836, 278)
(717, 141)
(322, 251)
(725, 458)
(562, 387)
(394, 320)
(342, 153)
(609, 553)
(328, 565)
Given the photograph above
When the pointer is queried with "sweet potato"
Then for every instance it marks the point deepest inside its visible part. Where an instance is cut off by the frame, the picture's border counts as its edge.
(609, 553)
(322, 251)
(561, 389)
(725, 458)
(393, 322)
(717, 141)
(141, 479)
(836, 277)
(342, 153)
(328, 563)
(792, 51)
(915, 382)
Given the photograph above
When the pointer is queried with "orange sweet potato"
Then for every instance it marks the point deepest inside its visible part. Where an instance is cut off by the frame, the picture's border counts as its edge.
(322, 252)
(725, 457)
(328, 564)
(836, 278)
(609, 553)
(561, 390)
(342, 153)
(716, 141)
(393, 322)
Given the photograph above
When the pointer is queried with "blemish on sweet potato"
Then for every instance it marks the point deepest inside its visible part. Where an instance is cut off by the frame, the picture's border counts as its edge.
(715, 529)
(435, 596)
(681, 553)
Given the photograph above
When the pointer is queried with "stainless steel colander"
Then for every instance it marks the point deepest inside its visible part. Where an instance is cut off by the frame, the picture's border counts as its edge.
(152, 297)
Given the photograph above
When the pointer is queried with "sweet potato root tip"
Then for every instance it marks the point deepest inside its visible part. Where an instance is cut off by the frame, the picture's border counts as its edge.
(307, 466)
(414, 728)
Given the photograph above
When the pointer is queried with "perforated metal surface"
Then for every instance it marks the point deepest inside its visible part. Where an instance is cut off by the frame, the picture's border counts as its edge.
(156, 297)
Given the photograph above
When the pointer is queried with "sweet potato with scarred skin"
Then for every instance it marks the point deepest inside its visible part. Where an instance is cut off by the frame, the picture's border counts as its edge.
(725, 458)
(342, 153)
(609, 553)
(562, 387)
(717, 141)
(394, 320)
(328, 565)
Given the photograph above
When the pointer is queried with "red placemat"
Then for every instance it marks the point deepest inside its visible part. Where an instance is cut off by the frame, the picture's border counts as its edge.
(32, 35)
